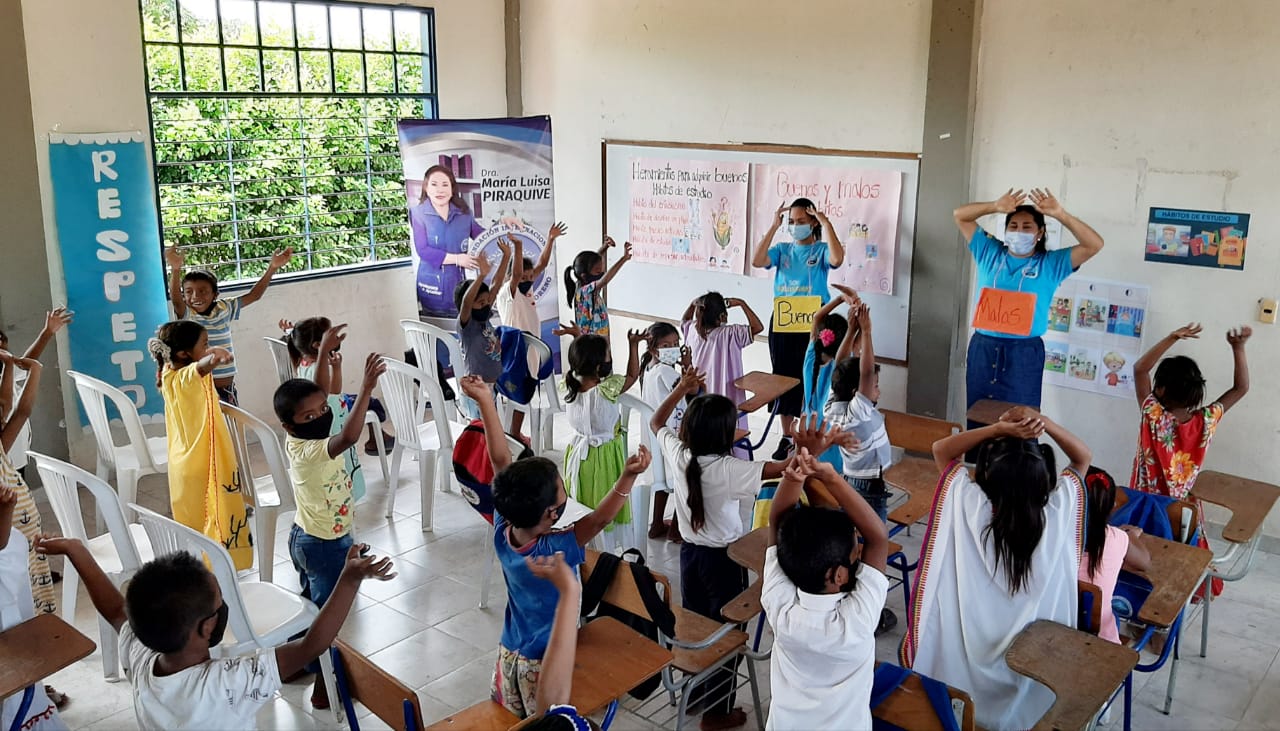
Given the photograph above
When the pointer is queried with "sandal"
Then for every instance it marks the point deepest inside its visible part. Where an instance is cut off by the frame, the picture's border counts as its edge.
(59, 700)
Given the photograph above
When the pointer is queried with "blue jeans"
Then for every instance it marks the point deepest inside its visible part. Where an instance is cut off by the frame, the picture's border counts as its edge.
(874, 492)
(319, 563)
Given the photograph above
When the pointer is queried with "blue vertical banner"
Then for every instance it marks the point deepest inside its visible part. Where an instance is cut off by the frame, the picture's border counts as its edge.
(109, 239)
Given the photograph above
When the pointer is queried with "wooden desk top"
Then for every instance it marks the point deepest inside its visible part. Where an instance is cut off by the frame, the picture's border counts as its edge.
(744, 606)
(612, 658)
(764, 388)
(1176, 570)
(38, 648)
(919, 478)
(909, 707)
(749, 550)
(1082, 670)
(988, 411)
(1248, 500)
(487, 715)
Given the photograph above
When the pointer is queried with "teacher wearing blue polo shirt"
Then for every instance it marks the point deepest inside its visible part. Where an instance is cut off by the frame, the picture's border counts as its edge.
(1006, 363)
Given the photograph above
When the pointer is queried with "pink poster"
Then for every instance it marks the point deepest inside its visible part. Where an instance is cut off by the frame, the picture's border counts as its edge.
(863, 206)
(689, 213)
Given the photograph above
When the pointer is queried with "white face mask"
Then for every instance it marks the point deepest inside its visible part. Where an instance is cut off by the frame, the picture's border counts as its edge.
(1020, 243)
(669, 356)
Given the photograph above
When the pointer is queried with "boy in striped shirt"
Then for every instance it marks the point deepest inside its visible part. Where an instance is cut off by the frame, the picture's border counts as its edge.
(195, 297)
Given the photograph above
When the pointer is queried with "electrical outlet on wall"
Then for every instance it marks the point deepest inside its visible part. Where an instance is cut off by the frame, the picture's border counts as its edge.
(1267, 311)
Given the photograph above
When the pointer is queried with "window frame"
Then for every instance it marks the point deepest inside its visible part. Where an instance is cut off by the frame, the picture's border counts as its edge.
(428, 100)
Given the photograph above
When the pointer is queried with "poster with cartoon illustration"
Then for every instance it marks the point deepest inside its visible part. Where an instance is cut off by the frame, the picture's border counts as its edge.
(1199, 238)
(862, 205)
(1095, 335)
(689, 213)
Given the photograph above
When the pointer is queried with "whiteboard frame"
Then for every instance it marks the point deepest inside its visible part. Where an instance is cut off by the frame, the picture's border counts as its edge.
(897, 306)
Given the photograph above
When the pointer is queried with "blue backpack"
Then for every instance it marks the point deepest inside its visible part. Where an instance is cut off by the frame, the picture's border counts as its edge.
(516, 383)
(1150, 512)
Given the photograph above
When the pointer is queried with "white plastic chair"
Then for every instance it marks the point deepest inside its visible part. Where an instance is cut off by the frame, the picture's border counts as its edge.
(261, 615)
(285, 370)
(635, 535)
(408, 391)
(271, 493)
(141, 456)
(120, 551)
(542, 408)
(424, 340)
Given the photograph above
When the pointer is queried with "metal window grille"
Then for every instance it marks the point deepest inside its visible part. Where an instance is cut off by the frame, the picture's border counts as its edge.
(274, 125)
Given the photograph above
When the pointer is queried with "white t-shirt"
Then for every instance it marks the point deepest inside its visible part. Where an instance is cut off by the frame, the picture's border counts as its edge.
(518, 310)
(224, 693)
(824, 650)
(17, 606)
(873, 453)
(656, 385)
(18, 452)
(726, 481)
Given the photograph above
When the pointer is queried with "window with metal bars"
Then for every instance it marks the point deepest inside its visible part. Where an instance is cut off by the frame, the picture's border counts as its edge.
(274, 126)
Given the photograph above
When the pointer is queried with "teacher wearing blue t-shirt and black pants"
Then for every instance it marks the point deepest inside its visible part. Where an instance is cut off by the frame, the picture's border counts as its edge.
(800, 269)
(1008, 364)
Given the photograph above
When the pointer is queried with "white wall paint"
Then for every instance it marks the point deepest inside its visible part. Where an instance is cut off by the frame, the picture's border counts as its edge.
(86, 72)
(819, 73)
(1094, 99)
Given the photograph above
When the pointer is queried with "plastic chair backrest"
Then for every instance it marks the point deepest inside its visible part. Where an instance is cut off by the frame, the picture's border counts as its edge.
(657, 465)
(916, 434)
(395, 703)
(406, 403)
(169, 536)
(280, 355)
(60, 482)
(424, 339)
(94, 395)
(241, 423)
(537, 345)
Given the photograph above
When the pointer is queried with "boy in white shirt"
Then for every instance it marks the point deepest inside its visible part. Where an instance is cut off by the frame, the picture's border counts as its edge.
(176, 614)
(822, 602)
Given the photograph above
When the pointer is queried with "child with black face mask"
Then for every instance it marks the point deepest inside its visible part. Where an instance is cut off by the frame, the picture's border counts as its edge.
(481, 347)
(321, 533)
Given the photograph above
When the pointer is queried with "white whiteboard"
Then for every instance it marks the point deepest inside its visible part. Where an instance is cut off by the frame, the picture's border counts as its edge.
(663, 292)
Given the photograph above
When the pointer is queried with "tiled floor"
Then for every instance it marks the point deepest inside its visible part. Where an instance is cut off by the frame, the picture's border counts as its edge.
(426, 628)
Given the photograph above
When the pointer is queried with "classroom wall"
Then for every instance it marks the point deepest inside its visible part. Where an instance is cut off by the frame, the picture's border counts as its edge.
(86, 75)
(748, 71)
(1118, 107)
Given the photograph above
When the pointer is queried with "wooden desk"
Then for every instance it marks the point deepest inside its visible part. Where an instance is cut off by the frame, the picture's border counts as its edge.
(745, 606)
(749, 550)
(488, 715)
(909, 707)
(38, 648)
(764, 387)
(1176, 571)
(1248, 500)
(988, 411)
(1081, 669)
(612, 658)
(918, 477)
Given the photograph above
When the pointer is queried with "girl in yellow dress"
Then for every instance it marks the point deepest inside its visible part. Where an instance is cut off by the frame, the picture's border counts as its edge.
(204, 482)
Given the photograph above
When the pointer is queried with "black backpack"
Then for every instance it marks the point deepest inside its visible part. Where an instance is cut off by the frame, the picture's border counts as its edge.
(664, 619)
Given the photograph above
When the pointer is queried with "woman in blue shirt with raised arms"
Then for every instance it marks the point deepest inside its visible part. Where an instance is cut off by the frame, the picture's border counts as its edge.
(1008, 365)
(800, 269)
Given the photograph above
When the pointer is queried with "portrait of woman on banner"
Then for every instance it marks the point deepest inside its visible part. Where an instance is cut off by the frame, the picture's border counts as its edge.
(441, 225)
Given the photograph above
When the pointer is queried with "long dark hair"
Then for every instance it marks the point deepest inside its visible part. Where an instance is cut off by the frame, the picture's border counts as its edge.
(839, 327)
(805, 204)
(582, 265)
(303, 337)
(172, 338)
(456, 198)
(713, 312)
(657, 331)
(1017, 476)
(707, 429)
(1042, 235)
(1178, 383)
(1100, 499)
(586, 354)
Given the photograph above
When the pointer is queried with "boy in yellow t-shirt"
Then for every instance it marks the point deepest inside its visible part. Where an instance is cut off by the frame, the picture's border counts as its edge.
(321, 533)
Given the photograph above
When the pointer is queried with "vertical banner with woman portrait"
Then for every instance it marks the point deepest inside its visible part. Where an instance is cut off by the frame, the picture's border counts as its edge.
(470, 183)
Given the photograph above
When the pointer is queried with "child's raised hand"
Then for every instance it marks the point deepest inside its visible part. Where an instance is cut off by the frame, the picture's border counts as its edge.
(362, 565)
(571, 330)
(6, 357)
(505, 243)
(638, 462)
(690, 380)
(174, 257)
(556, 232)
(285, 325)
(28, 364)
(281, 258)
(626, 251)
(1024, 429)
(686, 356)
(483, 266)
(635, 337)
(219, 356)
(332, 338)
(47, 545)
(476, 388)
(609, 243)
(57, 319)
(552, 568)
(1189, 331)
(374, 366)
(1020, 413)
(847, 294)
(8, 498)
(1237, 336)
(864, 317)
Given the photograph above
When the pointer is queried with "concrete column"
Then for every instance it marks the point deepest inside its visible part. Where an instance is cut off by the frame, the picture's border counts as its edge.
(940, 266)
(24, 264)
(511, 23)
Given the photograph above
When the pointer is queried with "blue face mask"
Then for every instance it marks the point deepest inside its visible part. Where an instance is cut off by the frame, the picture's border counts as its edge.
(801, 231)
(1020, 243)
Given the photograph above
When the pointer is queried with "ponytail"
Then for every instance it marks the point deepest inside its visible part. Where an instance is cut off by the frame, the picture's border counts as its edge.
(1100, 498)
(570, 286)
(693, 476)
(706, 431)
(573, 387)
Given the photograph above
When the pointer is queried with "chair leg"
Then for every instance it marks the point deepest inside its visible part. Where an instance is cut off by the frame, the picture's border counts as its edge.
(1204, 619)
(70, 590)
(127, 487)
(382, 452)
(755, 691)
(264, 526)
(1173, 674)
(487, 578)
(110, 650)
(397, 454)
(331, 686)
(427, 488)
(682, 707)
